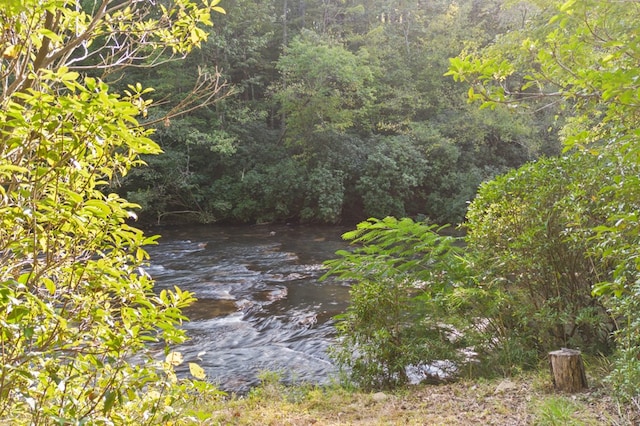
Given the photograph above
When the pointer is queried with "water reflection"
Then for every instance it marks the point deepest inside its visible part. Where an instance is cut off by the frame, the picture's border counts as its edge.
(260, 305)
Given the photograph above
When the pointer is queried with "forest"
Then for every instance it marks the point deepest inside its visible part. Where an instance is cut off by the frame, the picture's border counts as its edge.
(514, 122)
(334, 111)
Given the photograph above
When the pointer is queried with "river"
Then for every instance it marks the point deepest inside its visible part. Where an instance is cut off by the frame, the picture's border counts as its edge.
(261, 306)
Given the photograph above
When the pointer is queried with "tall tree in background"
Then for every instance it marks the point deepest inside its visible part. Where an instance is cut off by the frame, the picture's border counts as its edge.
(328, 88)
(75, 303)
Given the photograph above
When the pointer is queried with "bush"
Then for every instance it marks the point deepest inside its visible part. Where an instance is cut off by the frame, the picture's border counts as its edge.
(78, 314)
(530, 245)
(617, 243)
(402, 272)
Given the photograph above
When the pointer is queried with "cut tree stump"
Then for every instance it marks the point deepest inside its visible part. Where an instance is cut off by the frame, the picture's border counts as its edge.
(567, 370)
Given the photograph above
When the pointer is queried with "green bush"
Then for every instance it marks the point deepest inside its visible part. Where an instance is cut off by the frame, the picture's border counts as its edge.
(530, 245)
(401, 273)
(617, 243)
(594, 199)
(546, 265)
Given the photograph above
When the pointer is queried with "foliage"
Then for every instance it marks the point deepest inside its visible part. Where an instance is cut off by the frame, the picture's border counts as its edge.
(324, 196)
(170, 185)
(394, 168)
(585, 56)
(327, 91)
(326, 87)
(402, 272)
(530, 244)
(81, 327)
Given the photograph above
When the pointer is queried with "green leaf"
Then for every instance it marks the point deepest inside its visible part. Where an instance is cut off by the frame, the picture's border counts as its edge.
(109, 401)
(197, 371)
(566, 6)
(49, 285)
(174, 358)
(50, 34)
(12, 168)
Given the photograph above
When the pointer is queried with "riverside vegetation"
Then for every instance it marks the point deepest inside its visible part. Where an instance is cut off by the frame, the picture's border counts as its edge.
(527, 399)
(338, 111)
(550, 252)
(78, 315)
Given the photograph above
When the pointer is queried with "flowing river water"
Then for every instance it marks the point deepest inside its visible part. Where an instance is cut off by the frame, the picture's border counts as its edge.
(261, 306)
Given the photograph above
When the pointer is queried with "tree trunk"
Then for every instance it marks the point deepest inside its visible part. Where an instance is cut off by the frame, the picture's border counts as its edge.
(567, 370)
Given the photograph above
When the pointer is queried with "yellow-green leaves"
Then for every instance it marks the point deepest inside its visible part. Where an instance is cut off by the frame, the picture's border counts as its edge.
(76, 306)
(174, 358)
(11, 51)
(567, 6)
(62, 33)
(197, 371)
(214, 6)
(584, 59)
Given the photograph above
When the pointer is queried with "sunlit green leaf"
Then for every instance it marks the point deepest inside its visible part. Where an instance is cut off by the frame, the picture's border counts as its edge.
(174, 358)
(197, 371)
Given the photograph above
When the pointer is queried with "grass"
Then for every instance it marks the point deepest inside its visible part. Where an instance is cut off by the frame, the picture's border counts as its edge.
(528, 399)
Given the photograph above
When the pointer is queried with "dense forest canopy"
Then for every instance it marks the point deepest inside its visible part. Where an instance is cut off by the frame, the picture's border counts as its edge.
(335, 111)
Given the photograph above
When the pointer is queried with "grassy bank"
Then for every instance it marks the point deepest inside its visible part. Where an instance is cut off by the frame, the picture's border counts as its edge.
(528, 399)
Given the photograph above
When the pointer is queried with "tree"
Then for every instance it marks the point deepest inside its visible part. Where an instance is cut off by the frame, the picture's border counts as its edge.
(326, 87)
(78, 312)
(334, 80)
(586, 57)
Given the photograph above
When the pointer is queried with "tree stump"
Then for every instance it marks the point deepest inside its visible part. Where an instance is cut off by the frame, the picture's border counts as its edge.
(567, 370)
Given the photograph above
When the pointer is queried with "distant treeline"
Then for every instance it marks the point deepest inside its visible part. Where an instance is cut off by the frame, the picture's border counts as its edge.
(333, 111)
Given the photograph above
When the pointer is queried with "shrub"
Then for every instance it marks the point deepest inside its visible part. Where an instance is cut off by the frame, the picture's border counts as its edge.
(401, 273)
(617, 243)
(78, 314)
(530, 245)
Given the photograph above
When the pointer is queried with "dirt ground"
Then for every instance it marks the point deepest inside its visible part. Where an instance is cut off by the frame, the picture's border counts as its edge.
(526, 400)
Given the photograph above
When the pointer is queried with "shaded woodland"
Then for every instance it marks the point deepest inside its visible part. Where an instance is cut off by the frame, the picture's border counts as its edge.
(334, 111)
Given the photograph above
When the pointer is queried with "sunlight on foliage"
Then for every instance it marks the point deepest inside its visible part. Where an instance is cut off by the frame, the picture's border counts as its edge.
(81, 326)
(585, 56)
(402, 273)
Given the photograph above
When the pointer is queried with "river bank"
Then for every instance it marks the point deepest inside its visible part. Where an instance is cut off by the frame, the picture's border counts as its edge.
(528, 399)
